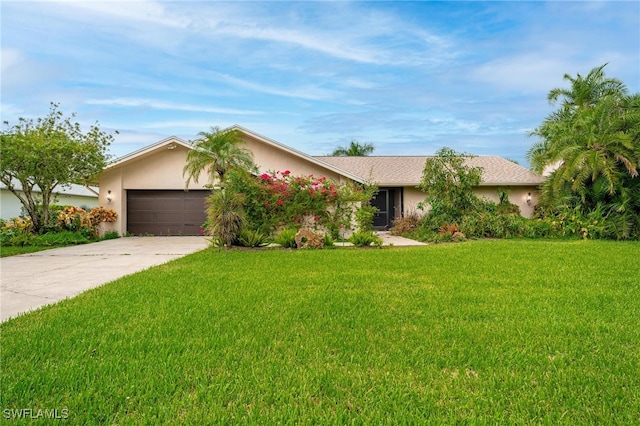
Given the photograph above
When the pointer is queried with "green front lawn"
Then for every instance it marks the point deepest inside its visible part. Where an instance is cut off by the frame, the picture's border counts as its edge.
(6, 251)
(506, 332)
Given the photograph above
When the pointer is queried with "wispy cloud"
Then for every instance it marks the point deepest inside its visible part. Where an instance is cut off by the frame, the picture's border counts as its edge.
(151, 12)
(170, 106)
(406, 76)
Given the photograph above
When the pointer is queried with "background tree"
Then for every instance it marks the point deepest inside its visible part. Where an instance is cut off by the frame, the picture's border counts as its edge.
(355, 149)
(593, 139)
(217, 152)
(448, 182)
(48, 152)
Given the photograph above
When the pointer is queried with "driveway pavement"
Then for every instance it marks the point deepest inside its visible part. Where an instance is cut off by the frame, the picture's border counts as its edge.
(30, 281)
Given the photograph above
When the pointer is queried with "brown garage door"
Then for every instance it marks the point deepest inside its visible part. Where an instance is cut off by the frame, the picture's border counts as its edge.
(165, 212)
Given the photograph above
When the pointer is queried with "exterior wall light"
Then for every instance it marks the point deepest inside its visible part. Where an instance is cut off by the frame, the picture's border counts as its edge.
(529, 198)
(109, 197)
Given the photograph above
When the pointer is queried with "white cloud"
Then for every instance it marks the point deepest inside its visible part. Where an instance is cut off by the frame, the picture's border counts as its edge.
(162, 105)
(152, 12)
(302, 92)
(10, 57)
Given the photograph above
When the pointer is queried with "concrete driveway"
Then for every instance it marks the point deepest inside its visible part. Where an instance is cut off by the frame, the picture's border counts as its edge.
(33, 280)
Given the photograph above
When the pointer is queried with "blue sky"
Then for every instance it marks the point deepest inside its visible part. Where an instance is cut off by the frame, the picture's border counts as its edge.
(408, 77)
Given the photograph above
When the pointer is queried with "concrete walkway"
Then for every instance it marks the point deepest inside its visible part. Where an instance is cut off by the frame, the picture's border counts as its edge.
(388, 239)
(30, 281)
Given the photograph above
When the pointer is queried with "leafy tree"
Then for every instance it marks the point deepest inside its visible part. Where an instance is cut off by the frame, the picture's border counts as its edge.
(355, 149)
(448, 182)
(593, 140)
(217, 152)
(48, 152)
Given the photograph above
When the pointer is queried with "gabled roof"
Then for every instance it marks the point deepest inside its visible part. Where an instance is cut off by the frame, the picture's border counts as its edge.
(148, 149)
(407, 170)
(315, 160)
(383, 170)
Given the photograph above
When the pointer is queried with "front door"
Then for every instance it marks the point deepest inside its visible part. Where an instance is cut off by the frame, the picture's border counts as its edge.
(384, 201)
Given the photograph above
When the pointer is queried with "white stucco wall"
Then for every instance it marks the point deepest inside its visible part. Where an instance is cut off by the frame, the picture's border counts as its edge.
(517, 195)
(161, 169)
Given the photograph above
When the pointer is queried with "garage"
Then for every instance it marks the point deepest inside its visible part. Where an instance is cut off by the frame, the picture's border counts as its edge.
(165, 212)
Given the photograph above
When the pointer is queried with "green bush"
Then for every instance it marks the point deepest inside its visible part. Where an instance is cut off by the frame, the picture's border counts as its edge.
(277, 199)
(328, 241)
(21, 239)
(365, 239)
(287, 238)
(111, 235)
(406, 224)
(248, 238)
(63, 238)
(364, 218)
(226, 215)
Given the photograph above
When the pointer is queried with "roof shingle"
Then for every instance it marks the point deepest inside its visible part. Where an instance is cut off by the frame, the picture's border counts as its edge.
(407, 170)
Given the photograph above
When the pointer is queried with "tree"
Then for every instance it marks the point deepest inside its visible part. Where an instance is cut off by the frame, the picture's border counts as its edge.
(355, 149)
(48, 152)
(217, 152)
(594, 141)
(448, 182)
(225, 210)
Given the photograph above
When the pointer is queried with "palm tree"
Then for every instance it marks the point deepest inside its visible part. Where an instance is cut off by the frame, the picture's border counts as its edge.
(217, 151)
(587, 91)
(355, 149)
(558, 130)
(594, 139)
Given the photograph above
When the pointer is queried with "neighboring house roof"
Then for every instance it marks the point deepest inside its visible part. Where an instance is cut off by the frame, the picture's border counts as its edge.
(407, 170)
(73, 189)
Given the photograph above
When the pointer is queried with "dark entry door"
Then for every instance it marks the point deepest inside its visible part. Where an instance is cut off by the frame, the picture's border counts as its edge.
(165, 212)
(384, 201)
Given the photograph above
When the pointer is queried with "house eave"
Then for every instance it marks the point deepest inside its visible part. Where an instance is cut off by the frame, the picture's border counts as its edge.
(298, 154)
(147, 149)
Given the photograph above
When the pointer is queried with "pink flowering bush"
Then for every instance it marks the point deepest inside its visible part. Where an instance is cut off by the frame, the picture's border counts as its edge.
(279, 199)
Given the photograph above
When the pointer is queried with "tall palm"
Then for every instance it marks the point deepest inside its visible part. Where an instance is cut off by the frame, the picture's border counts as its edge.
(594, 142)
(217, 151)
(587, 91)
(558, 130)
(355, 149)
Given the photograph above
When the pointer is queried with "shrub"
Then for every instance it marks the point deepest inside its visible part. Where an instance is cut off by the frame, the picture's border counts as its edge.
(100, 214)
(111, 235)
(74, 219)
(277, 199)
(63, 238)
(328, 241)
(364, 217)
(287, 238)
(365, 239)
(226, 215)
(248, 238)
(21, 238)
(449, 228)
(406, 224)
